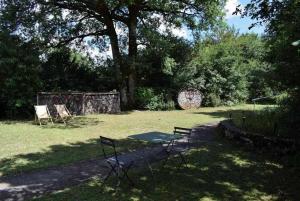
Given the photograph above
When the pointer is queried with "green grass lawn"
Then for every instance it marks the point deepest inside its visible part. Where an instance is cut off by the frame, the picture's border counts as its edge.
(222, 170)
(25, 146)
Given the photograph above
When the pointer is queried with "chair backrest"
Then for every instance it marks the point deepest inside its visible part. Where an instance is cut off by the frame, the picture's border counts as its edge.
(42, 111)
(108, 143)
(182, 131)
(62, 110)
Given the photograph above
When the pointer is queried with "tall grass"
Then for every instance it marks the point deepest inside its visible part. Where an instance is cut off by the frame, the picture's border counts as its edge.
(271, 121)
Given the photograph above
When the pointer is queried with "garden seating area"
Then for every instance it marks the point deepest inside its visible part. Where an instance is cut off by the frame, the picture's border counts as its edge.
(148, 163)
(42, 113)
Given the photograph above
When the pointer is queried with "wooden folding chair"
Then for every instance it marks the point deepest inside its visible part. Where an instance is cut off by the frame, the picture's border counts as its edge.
(41, 113)
(63, 113)
(119, 166)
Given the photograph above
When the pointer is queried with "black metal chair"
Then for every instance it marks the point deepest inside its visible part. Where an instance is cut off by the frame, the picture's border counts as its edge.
(119, 166)
(179, 146)
(185, 134)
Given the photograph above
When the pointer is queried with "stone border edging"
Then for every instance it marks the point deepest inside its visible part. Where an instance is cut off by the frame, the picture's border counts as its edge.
(284, 146)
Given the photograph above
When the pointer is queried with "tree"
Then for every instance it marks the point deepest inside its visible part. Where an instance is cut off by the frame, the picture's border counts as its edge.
(64, 69)
(105, 21)
(19, 80)
(226, 67)
(282, 29)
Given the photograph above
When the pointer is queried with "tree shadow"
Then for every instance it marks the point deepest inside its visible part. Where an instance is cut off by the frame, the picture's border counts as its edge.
(75, 122)
(234, 113)
(217, 171)
(62, 154)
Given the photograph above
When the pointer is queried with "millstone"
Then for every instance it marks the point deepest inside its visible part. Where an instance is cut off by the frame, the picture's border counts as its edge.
(189, 98)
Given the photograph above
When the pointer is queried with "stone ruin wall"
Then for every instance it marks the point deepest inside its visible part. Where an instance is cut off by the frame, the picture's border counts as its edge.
(82, 103)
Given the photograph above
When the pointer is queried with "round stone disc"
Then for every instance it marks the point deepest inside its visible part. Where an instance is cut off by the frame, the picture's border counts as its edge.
(189, 98)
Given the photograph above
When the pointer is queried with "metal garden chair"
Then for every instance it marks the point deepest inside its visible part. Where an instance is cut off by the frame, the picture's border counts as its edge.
(119, 166)
(179, 145)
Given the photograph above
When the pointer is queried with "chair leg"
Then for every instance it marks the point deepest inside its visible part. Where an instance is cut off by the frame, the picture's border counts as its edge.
(64, 121)
(183, 160)
(51, 121)
(166, 159)
(113, 170)
(107, 176)
(125, 173)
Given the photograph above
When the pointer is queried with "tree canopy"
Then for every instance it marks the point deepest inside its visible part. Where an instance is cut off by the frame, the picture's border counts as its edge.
(119, 23)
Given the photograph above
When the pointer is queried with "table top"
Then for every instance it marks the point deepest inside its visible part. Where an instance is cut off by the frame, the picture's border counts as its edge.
(155, 137)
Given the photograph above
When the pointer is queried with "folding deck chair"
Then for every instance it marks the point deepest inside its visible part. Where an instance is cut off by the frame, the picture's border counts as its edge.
(41, 113)
(63, 113)
(119, 166)
(179, 146)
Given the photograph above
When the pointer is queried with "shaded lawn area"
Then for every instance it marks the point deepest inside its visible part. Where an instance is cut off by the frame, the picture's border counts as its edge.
(25, 146)
(221, 170)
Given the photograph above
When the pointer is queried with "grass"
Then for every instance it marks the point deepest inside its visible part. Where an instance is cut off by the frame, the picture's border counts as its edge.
(220, 170)
(270, 121)
(25, 146)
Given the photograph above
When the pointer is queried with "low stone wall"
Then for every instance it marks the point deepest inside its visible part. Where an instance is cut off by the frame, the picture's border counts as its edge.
(229, 130)
(81, 103)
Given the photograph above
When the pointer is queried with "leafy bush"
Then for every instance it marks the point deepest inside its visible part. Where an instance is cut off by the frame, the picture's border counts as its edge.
(169, 105)
(226, 67)
(144, 97)
(147, 99)
(155, 103)
(212, 100)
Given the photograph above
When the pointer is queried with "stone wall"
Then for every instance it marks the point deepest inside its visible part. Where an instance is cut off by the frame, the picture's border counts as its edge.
(81, 103)
(277, 144)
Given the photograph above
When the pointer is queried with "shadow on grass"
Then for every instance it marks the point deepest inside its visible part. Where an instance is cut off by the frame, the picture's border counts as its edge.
(62, 154)
(234, 113)
(76, 122)
(217, 171)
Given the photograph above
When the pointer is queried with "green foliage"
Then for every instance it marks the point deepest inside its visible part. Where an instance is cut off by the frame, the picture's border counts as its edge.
(148, 99)
(19, 76)
(96, 23)
(230, 68)
(143, 96)
(213, 100)
(155, 103)
(67, 69)
(161, 62)
(282, 22)
(168, 65)
(273, 120)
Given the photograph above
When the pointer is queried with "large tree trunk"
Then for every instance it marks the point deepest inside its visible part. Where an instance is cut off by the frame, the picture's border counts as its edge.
(119, 70)
(132, 53)
(117, 57)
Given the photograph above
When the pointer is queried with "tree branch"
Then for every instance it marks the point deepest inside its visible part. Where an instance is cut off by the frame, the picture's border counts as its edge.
(82, 36)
